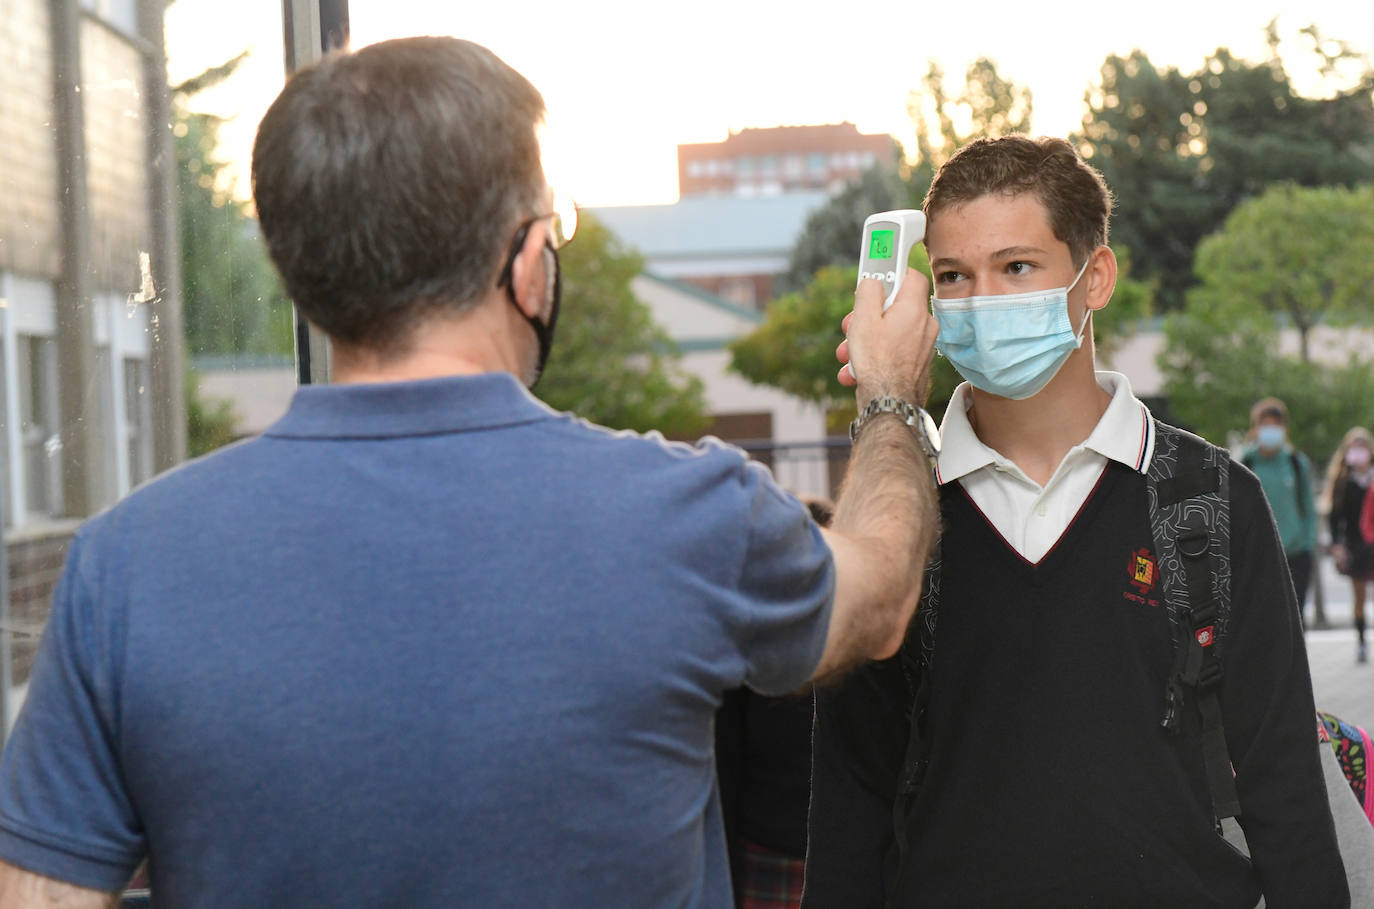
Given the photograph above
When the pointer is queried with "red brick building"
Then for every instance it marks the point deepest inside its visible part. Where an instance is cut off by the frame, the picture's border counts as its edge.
(781, 159)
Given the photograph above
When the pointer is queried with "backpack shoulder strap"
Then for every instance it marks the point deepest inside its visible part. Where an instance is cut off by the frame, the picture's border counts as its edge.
(1188, 486)
(1299, 481)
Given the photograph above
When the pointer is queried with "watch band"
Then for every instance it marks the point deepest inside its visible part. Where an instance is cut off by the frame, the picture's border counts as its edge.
(927, 433)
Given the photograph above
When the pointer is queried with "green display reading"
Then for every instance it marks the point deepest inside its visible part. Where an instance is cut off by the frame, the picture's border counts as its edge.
(880, 247)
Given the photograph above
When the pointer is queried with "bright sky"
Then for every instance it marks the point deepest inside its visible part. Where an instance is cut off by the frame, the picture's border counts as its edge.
(625, 82)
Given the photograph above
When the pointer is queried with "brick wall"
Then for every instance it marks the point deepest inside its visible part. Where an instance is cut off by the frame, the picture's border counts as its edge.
(116, 154)
(28, 156)
(35, 561)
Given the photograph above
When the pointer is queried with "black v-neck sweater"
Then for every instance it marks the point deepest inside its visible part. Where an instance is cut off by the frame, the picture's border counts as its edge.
(1051, 782)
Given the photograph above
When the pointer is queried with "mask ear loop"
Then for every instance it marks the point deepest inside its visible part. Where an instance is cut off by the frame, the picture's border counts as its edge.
(1087, 312)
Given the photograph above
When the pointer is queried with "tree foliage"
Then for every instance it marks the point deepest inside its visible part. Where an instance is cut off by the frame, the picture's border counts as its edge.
(210, 422)
(1304, 255)
(832, 232)
(231, 297)
(233, 302)
(1292, 258)
(992, 105)
(794, 348)
(1181, 150)
(611, 363)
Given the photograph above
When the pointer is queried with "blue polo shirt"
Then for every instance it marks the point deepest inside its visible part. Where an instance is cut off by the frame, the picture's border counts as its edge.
(421, 644)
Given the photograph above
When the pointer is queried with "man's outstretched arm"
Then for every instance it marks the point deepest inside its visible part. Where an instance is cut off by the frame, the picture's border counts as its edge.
(886, 519)
(20, 889)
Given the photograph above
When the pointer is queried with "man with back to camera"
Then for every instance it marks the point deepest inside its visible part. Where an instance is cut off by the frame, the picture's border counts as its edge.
(1048, 779)
(427, 642)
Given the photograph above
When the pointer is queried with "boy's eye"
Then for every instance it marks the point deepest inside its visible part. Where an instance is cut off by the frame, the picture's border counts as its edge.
(948, 277)
(1019, 268)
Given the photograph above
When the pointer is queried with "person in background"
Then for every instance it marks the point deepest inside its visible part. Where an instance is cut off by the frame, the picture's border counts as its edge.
(1348, 481)
(1286, 475)
(763, 760)
(1367, 516)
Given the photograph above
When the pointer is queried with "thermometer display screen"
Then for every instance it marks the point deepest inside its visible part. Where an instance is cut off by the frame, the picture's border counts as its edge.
(880, 246)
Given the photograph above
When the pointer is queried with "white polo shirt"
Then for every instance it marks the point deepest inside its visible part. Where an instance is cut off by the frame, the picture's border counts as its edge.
(1032, 518)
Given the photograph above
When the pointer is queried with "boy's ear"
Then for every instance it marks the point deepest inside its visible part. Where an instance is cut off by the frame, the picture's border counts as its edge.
(1101, 276)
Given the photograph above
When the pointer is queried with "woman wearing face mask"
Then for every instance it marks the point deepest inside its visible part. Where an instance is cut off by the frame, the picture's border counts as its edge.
(1286, 475)
(1348, 481)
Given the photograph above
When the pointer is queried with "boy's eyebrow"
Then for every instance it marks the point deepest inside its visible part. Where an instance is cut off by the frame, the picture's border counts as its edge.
(1009, 252)
(1012, 251)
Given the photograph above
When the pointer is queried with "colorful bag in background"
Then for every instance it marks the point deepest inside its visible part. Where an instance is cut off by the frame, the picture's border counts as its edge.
(1351, 744)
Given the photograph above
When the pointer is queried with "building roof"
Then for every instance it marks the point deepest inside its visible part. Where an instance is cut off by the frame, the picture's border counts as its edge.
(774, 139)
(693, 318)
(703, 226)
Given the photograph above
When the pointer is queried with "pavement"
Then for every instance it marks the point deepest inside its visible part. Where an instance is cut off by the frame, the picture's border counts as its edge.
(1340, 685)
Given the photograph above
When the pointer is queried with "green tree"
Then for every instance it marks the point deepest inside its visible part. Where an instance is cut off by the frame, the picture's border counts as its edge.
(210, 422)
(1292, 258)
(1181, 150)
(993, 105)
(1304, 255)
(610, 363)
(794, 348)
(232, 298)
(832, 232)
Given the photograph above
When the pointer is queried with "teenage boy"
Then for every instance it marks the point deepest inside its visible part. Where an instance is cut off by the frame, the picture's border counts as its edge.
(1049, 780)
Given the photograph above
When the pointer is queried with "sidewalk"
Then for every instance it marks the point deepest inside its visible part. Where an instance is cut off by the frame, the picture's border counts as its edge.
(1341, 685)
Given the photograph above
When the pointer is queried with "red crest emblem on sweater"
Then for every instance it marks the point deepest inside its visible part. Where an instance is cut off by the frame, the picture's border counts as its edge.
(1144, 573)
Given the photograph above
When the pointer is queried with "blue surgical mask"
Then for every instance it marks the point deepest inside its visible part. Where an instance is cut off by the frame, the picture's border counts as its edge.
(1009, 345)
(1271, 436)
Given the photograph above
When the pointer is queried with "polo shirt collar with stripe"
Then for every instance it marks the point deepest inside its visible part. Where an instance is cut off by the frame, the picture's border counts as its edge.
(1125, 433)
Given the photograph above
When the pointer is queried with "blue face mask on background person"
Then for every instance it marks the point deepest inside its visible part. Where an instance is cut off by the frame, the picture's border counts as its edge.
(1009, 345)
(1271, 436)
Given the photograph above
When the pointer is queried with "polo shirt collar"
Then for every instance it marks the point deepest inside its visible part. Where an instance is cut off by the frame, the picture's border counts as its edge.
(1125, 433)
(417, 408)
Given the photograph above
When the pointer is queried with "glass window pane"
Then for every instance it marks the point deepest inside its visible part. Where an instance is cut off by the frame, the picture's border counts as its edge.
(120, 283)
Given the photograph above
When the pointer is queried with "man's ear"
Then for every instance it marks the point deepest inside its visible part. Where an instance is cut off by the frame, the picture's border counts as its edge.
(527, 272)
(1101, 277)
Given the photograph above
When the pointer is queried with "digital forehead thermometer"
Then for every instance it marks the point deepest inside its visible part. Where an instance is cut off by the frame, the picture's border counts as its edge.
(887, 240)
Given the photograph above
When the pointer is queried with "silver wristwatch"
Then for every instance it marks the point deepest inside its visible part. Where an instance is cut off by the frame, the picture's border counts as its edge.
(921, 422)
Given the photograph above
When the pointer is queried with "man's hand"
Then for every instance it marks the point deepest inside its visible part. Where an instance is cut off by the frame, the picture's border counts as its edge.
(889, 352)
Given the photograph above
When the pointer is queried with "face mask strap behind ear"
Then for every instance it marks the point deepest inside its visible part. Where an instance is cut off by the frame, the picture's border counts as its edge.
(1087, 313)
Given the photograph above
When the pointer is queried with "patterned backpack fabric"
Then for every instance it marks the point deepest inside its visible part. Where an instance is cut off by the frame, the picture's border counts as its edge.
(1352, 745)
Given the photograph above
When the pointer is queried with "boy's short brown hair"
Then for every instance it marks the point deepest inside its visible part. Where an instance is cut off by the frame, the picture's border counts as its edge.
(1074, 194)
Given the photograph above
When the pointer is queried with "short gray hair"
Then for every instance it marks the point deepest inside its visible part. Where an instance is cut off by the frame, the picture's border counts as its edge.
(389, 182)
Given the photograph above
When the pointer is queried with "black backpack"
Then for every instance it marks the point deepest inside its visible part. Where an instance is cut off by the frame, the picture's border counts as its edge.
(1188, 488)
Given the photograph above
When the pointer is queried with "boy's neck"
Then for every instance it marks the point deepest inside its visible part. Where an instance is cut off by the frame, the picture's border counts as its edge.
(1036, 434)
